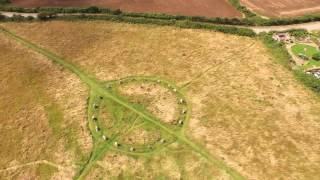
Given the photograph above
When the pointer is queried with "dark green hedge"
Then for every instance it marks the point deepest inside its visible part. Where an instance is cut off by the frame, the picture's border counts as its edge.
(308, 80)
(140, 20)
(251, 18)
(98, 10)
(316, 56)
(4, 2)
(182, 24)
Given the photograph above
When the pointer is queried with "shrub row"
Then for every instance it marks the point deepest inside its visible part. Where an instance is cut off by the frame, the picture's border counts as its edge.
(279, 51)
(137, 20)
(181, 23)
(251, 18)
(4, 2)
(98, 10)
(316, 56)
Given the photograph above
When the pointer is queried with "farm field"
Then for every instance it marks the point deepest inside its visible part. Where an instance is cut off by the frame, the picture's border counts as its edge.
(283, 8)
(223, 94)
(209, 8)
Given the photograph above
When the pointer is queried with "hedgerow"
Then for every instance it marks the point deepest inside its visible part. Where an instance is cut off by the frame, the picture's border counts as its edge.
(182, 24)
(250, 19)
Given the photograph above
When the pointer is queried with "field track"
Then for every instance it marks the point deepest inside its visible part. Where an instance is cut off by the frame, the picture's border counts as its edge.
(209, 8)
(283, 8)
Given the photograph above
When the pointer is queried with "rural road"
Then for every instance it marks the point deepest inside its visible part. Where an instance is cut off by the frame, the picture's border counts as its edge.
(308, 26)
(258, 29)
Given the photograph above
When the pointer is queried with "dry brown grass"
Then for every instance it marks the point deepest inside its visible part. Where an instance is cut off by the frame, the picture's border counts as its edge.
(140, 136)
(246, 109)
(158, 100)
(38, 103)
(172, 163)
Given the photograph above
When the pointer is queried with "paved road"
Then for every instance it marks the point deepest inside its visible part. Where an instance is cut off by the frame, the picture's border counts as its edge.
(258, 29)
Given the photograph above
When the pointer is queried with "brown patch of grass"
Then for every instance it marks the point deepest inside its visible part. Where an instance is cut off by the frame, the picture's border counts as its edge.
(158, 100)
(41, 107)
(256, 117)
(173, 163)
(141, 136)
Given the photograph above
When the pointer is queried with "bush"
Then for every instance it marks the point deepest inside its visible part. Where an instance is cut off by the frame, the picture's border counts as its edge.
(2, 17)
(299, 33)
(117, 12)
(92, 9)
(29, 18)
(3, 2)
(46, 16)
(308, 80)
(316, 56)
(17, 18)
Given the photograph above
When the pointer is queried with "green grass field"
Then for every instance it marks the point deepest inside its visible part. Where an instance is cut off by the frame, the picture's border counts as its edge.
(304, 49)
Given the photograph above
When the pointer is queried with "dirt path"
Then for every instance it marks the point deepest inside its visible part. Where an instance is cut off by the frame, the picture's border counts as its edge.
(33, 164)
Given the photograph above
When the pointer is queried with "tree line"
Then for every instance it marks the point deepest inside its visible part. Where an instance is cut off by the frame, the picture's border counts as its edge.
(251, 18)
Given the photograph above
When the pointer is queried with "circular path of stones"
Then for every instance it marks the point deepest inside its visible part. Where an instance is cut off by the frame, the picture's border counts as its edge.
(102, 133)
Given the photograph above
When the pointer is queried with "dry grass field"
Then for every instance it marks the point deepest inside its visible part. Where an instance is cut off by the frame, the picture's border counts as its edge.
(246, 109)
(283, 8)
(43, 113)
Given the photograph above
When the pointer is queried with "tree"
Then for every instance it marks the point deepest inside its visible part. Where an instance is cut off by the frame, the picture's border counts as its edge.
(92, 9)
(46, 16)
(117, 12)
(17, 18)
(2, 17)
(2, 2)
(316, 56)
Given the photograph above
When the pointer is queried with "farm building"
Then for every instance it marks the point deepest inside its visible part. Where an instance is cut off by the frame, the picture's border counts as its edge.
(283, 37)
